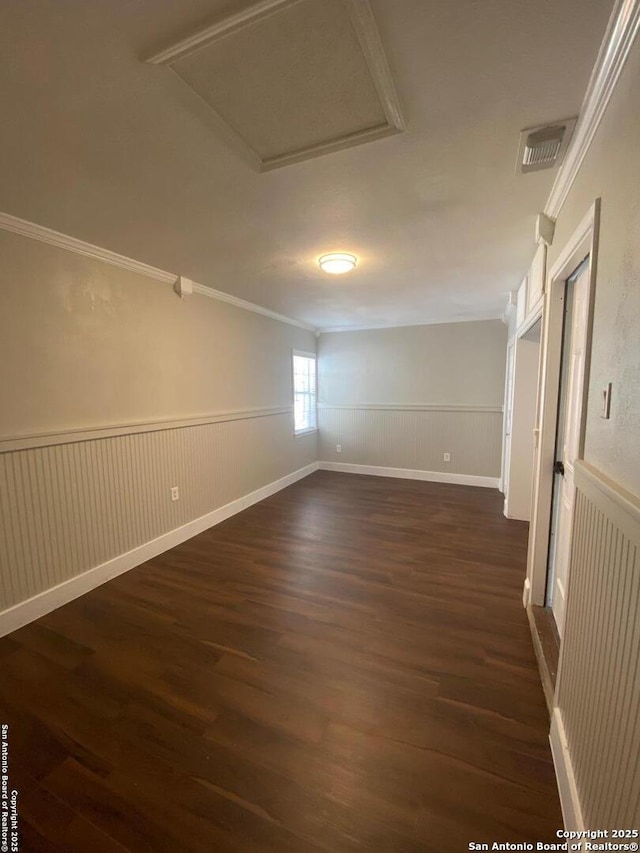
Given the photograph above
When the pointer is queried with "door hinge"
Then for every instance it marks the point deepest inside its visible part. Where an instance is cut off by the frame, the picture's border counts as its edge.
(558, 467)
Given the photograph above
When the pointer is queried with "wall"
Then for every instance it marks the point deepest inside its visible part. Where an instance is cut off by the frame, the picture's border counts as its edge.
(84, 343)
(114, 390)
(610, 171)
(597, 710)
(520, 471)
(401, 397)
(596, 724)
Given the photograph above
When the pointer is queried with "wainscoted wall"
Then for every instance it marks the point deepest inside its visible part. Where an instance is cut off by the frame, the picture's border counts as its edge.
(113, 391)
(414, 437)
(398, 399)
(70, 506)
(595, 731)
(596, 725)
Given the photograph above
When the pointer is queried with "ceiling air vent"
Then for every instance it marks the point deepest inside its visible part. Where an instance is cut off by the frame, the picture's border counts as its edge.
(543, 147)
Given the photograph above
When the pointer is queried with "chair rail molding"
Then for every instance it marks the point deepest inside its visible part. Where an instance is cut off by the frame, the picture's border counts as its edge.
(24, 228)
(401, 407)
(9, 444)
(617, 43)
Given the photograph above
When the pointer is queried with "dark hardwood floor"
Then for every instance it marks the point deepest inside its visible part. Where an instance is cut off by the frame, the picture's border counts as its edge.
(345, 666)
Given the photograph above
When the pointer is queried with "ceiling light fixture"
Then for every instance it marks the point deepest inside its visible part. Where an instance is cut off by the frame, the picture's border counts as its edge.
(338, 263)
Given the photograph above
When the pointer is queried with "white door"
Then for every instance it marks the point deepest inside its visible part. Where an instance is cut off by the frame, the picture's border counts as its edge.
(568, 443)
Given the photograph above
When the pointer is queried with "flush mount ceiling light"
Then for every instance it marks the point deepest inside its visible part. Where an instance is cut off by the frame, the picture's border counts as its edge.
(337, 263)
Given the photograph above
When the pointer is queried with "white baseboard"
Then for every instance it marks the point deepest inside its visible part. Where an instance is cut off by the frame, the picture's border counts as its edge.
(33, 608)
(526, 592)
(410, 474)
(515, 516)
(569, 799)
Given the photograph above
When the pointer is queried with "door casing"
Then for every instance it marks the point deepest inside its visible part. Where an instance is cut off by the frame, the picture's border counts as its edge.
(583, 242)
(567, 439)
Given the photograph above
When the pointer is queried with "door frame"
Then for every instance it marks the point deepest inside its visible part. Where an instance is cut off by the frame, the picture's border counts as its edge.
(583, 242)
(508, 413)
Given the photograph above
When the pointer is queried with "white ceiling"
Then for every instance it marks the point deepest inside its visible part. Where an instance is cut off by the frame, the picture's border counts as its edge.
(102, 146)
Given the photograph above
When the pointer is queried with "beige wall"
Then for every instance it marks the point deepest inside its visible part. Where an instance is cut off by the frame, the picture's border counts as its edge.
(70, 507)
(611, 171)
(84, 344)
(597, 691)
(453, 363)
(402, 397)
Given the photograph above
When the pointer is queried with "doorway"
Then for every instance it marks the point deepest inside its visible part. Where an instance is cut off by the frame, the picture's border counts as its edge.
(523, 358)
(567, 443)
(508, 410)
(570, 288)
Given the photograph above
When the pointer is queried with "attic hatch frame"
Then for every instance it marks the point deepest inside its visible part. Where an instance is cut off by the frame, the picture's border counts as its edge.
(363, 22)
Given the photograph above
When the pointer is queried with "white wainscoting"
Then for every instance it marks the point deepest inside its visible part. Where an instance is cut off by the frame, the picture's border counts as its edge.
(414, 439)
(595, 734)
(73, 514)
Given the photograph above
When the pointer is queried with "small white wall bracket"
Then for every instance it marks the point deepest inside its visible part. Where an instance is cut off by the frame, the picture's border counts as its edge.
(545, 227)
(510, 307)
(183, 286)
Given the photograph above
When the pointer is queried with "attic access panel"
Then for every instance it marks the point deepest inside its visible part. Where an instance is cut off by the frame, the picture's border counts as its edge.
(291, 79)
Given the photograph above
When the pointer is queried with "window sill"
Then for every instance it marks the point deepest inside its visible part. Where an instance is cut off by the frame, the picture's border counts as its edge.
(300, 432)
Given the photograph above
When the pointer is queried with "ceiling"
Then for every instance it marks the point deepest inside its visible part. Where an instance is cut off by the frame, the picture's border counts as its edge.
(107, 148)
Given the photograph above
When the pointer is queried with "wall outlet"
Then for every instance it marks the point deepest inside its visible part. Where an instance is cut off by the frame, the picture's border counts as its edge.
(447, 457)
(338, 448)
(175, 493)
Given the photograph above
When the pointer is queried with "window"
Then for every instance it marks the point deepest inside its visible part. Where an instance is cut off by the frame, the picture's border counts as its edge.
(304, 392)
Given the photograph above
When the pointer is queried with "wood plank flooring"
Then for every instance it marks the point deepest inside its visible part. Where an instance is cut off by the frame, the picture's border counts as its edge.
(345, 666)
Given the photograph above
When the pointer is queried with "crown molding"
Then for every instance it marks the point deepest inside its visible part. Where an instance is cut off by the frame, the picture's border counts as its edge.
(618, 39)
(71, 244)
(203, 290)
(490, 315)
(55, 238)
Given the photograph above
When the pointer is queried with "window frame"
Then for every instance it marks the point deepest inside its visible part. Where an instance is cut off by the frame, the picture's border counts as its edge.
(310, 355)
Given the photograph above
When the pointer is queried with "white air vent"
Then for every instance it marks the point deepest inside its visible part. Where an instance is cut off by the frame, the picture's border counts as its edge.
(543, 147)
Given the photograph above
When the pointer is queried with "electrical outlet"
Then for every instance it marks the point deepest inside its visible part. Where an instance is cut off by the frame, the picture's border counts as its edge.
(338, 448)
(175, 493)
(447, 457)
